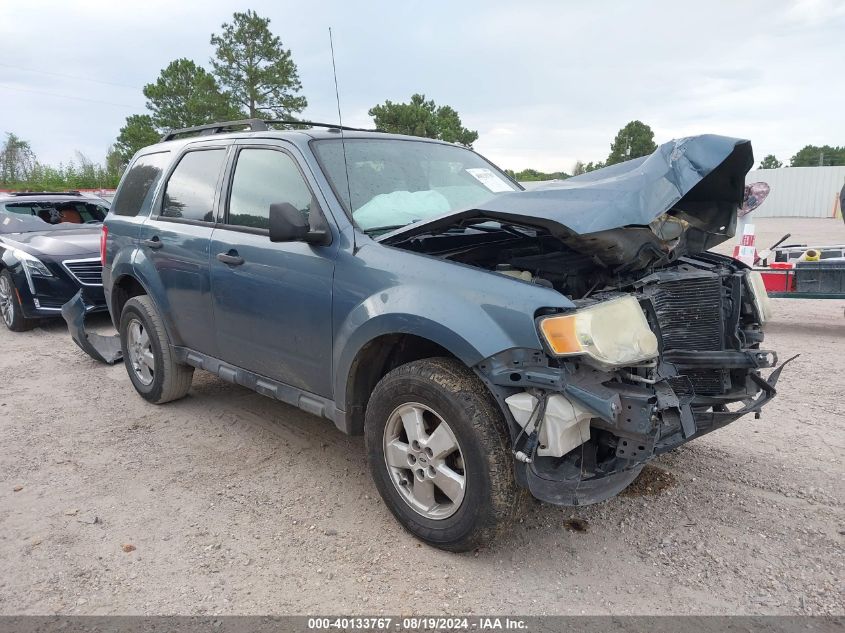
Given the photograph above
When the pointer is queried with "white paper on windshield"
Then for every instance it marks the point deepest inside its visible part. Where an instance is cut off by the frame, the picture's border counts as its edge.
(490, 180)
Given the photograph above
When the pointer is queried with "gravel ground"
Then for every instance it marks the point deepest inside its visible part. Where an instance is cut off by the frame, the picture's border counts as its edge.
(228, 502)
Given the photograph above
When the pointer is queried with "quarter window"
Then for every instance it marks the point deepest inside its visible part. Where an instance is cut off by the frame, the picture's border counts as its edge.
(189, 194)
(136, 191)
(264, 177)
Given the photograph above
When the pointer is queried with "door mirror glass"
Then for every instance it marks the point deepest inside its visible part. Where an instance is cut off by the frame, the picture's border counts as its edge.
(287, 224)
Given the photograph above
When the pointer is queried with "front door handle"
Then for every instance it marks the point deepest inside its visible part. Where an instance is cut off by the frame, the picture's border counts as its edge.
(154, 243)
(231, 258)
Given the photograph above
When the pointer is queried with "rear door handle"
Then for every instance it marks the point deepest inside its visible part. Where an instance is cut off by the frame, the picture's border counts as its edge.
(231, 258)
(154, 243)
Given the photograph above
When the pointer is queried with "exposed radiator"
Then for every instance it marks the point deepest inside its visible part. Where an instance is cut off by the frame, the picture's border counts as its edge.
(689, 313)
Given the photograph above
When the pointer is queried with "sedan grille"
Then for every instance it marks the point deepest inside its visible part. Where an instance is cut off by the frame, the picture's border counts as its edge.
(88, 272)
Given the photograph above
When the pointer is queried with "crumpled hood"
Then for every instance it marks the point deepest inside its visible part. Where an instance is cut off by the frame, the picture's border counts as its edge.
(681, 199)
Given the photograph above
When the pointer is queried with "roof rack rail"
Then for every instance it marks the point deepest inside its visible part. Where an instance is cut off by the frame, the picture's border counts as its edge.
(45, 193)
(254, 125)
(331, 126)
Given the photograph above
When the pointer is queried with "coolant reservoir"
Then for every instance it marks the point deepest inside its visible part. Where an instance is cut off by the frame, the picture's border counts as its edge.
(566, 425)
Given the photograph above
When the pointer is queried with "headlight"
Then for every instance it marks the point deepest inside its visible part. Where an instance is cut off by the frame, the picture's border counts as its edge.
(761, 298)
(613, 333)
(32, 267)
(32, 264)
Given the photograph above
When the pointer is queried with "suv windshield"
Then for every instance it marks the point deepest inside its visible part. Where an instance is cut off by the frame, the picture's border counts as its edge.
(395, 182)
(45, 215)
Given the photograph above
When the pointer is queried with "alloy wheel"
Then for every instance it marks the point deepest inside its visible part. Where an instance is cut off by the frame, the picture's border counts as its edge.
(140, 352)
(7, 309)
(425, 461)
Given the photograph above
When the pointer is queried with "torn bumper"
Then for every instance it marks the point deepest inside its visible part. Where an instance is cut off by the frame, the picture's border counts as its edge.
(105, 349)
(631, 423)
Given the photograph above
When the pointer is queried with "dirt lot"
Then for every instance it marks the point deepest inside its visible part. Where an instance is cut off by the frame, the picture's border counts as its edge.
(232, 503)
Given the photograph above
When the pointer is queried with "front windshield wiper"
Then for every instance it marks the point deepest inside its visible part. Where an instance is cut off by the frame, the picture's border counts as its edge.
(384, 229)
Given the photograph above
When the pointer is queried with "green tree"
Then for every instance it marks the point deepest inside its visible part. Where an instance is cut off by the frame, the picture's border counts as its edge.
(578, 168)
(422, 118)
(114, 164)
(139, 131)
(530, 175)
(185, 95)
(17, 160)
(813, 155)
(632, 141)
(770, 162)
(591, 166)
(258, 71)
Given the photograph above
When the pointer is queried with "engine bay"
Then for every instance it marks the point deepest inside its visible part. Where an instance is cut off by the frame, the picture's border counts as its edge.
(534, 255)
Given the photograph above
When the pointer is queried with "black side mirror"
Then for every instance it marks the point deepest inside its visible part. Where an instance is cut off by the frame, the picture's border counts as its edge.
(287, 224)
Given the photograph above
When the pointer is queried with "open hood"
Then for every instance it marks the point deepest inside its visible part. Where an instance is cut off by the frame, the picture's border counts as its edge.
(680, 200)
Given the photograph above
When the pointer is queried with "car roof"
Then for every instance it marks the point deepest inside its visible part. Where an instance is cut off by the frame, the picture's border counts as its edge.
(297, 137)
(48, 197)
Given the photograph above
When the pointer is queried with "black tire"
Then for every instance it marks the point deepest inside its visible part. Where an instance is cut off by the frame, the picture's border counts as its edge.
(18, 322)
(170, 380)
(491, 499)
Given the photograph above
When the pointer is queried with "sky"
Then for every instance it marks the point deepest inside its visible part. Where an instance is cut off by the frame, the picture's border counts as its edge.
(545, 83)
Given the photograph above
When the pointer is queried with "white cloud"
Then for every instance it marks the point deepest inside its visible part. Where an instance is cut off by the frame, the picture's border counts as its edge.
(545, 83)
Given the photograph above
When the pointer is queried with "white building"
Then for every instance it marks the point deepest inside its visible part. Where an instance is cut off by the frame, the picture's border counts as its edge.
(800, 192)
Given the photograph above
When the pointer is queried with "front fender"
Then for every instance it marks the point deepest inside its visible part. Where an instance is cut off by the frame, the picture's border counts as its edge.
(470, 324)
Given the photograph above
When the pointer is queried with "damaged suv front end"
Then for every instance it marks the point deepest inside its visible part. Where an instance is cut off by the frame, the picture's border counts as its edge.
(664, 342)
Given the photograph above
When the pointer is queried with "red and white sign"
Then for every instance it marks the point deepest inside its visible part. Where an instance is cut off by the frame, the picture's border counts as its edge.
(745, 251)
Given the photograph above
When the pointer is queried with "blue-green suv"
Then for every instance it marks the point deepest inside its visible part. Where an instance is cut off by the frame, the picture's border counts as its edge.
(486, 340)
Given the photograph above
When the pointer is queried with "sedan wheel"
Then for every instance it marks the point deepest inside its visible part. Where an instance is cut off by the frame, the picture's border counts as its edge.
(7, 310)
(425, 461)
(11, 311)
(140, 351)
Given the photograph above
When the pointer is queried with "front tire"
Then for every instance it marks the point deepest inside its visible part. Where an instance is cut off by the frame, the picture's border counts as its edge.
(148, 355)
(438, 450)
(11, 311)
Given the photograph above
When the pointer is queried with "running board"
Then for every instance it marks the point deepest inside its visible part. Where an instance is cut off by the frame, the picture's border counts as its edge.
(305, 400)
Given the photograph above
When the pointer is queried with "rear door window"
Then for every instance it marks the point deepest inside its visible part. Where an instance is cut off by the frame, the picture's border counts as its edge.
(264, 177)
(135, 194)
(189, 193)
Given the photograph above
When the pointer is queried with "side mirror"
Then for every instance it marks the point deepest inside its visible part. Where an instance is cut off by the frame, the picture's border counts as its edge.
(287, 224)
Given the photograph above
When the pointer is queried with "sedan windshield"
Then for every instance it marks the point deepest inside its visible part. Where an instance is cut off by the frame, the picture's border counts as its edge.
(394, 182)
(31, 215)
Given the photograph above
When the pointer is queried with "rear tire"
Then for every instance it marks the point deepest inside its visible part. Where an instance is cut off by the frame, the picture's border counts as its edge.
(11, 312)
(148, 355)
(467, 461)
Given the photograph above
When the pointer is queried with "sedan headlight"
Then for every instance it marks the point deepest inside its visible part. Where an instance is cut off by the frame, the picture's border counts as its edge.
(760, 297)
(613, 333)
(32, 264)
(32, 267)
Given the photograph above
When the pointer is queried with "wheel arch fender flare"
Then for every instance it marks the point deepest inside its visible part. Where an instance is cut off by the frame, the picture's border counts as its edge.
(464, 329)
(153, 288)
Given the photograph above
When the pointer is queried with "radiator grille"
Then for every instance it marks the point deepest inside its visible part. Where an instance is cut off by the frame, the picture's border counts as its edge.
(88, 272)
(706, 382)
(689, 313)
